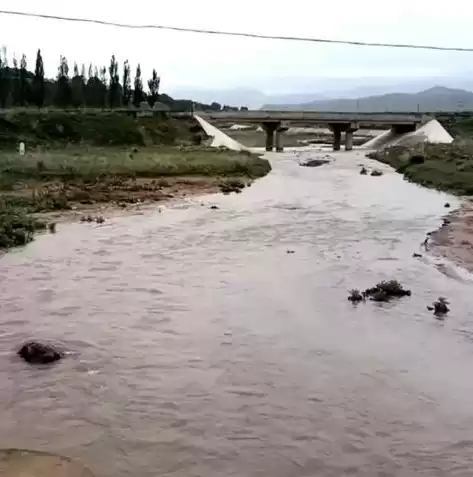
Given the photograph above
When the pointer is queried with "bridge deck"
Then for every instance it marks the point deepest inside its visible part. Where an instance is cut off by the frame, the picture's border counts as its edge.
(316, 117)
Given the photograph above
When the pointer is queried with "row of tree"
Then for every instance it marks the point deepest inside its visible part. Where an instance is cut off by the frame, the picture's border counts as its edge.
(96, 87)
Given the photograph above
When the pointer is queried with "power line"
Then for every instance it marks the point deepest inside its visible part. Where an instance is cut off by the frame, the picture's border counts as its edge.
(231, 33)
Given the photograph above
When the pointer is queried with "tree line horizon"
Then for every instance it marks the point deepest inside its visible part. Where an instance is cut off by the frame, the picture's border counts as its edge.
(93, 87)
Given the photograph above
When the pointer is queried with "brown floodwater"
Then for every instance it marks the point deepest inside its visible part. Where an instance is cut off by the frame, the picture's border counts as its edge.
(200, 347)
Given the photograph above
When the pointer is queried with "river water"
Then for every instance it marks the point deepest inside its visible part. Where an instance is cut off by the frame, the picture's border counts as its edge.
(200, 347)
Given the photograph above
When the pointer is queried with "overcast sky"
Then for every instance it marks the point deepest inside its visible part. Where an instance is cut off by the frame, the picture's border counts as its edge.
(193, 60)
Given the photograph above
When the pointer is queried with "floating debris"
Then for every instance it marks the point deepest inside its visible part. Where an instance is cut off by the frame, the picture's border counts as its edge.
(355, 296)
(89, 219)
(363, 171)
(376, 173)
(314, 162)
(440, 307)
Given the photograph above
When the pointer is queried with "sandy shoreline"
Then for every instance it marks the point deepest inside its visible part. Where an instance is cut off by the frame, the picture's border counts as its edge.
(454, 240)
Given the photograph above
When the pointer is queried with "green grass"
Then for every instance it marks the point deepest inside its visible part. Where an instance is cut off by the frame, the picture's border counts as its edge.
(447, 167)
(96, 164)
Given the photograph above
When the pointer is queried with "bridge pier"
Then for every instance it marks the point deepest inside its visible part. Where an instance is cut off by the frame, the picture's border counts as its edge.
(352, 127)
(348, 140)
(348, 129)
(270, 129)
(277, 140)
(337, 138)
(278, 137)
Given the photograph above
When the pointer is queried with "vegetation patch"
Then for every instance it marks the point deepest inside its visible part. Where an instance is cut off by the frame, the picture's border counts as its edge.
(382, 292)
(57, 180)
(16, 226)
(447, 167)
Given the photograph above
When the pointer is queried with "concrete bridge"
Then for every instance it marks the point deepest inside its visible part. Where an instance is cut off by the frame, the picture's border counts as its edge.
(275, 123)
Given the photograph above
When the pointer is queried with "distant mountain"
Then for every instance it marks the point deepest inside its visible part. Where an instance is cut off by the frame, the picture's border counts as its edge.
(251, 98)
(433, 99)
(295, 90)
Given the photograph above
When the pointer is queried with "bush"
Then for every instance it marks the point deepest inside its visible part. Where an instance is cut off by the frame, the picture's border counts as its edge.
(355, 296)
(16, 227)
(417, 159)
(386, 290)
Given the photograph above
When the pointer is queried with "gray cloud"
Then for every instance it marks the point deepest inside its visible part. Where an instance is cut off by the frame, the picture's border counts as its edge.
(185, 59)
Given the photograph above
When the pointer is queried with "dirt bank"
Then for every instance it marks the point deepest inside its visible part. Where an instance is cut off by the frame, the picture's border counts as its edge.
(65, 182)
(454, 240)
(170, 190)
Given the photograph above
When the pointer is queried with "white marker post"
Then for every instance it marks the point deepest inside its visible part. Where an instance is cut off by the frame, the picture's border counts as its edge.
(21, 149)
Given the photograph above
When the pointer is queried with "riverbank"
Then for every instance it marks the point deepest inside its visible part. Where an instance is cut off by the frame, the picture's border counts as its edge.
(454, 240)
(449, 168)
(70, 181)
(445, 167)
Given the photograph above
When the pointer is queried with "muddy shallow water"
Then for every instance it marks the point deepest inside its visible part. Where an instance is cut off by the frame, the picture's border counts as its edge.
(200, 347)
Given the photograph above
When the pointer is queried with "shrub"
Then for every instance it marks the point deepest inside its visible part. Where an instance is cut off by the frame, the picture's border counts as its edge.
(16, 227)
(417, 159)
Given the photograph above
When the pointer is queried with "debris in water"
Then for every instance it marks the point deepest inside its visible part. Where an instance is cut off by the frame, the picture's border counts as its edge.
(314, 162)
(290, 252)
(440, 307)
(447, 205)
(89, 218)
(355, 296)
(364, 171)
(376, 173)
(417, 255)
(214, 207)
(386, 290)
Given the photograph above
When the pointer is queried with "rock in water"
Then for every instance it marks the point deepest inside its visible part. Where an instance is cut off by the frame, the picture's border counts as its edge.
(39, 353)
(315, 162)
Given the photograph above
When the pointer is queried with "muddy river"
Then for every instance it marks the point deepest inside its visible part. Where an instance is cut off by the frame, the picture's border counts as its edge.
(200, 347)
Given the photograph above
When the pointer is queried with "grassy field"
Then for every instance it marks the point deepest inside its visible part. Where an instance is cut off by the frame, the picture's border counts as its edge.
(55, 180)
(447, 167)
(93, 163)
